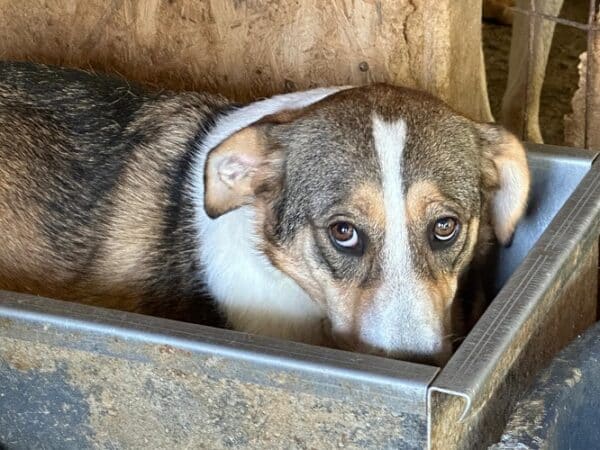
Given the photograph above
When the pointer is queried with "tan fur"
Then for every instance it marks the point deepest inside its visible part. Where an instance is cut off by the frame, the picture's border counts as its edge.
(420, 195)
(18, 271)
(422, 198)
(367, 198)
(351, 303)
(141, 199)
(311, 276)
(442, 286)
(441, 290)
(24, 264)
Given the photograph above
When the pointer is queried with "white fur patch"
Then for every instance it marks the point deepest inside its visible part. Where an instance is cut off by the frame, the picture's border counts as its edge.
(255, 296)
(247, 115)
(400, 320)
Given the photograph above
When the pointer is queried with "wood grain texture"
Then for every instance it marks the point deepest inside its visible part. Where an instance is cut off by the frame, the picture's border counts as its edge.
(579, 130)
(252, 48)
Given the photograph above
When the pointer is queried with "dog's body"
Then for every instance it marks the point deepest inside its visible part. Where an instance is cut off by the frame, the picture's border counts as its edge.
(94, 196)
(355, 211)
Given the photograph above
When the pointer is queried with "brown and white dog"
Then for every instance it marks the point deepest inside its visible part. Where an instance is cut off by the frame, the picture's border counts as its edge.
(356, 213)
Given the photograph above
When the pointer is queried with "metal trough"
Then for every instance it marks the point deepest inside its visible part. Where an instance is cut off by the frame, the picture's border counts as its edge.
(74, 376)
(561, 411)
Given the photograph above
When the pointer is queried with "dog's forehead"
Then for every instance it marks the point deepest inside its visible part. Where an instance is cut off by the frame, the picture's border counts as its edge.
(335, 142)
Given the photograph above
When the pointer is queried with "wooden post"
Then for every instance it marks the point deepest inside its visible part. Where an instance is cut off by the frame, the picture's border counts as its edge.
(251, 48)
(581, 125)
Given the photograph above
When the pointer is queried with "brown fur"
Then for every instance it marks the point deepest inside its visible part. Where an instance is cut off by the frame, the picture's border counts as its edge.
(97, 203)
(111, 254)
(368, 199)
(442, 284)
(420, 195)
(451, 167)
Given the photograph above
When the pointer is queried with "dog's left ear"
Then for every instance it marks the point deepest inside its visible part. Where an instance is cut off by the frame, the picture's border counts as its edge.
(237, 168)
(509, 178)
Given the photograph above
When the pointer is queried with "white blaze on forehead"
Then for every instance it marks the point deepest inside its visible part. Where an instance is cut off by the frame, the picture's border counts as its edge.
(390, 140)
(400, 318)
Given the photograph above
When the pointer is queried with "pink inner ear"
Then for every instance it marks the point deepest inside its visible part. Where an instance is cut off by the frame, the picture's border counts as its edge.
(233, 168)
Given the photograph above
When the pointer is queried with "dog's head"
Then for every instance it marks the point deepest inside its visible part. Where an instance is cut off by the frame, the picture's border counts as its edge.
(374, 200)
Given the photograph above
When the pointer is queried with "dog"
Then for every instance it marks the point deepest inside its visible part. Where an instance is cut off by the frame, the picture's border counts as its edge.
(345, 216)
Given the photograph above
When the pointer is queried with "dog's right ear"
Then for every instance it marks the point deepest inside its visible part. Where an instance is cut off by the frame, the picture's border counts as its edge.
(237, 168)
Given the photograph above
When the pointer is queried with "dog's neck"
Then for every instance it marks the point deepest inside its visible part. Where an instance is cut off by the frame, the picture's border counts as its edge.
(255, 296)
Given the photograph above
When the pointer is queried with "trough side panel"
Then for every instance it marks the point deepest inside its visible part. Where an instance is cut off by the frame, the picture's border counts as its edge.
(568, 308)
(65, 388)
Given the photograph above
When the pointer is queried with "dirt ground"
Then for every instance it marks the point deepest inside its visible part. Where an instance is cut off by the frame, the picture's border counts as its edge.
(561, 74)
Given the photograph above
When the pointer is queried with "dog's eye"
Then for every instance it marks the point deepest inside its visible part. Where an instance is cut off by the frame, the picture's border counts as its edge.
(344, 234)
(345, 237)
(445, 229)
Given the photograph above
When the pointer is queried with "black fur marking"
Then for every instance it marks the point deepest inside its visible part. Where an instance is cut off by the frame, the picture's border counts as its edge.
(180, 176)
(82, 147)
(179, 234)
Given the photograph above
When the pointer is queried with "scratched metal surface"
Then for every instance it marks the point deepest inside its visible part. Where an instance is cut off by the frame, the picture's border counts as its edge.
(560, 411)
(543, 305)
(77, 377)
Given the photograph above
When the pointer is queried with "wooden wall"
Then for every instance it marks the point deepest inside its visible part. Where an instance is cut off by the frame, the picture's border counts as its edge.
(582, 131)
(250, 48)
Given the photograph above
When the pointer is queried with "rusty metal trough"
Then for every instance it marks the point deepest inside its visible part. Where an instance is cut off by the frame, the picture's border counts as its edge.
(74, 376)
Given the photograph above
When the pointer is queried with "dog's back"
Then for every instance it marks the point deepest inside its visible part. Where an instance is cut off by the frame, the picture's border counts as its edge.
(93, 177)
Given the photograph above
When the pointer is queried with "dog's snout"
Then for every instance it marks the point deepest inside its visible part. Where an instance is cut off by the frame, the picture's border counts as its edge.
(438, 356)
